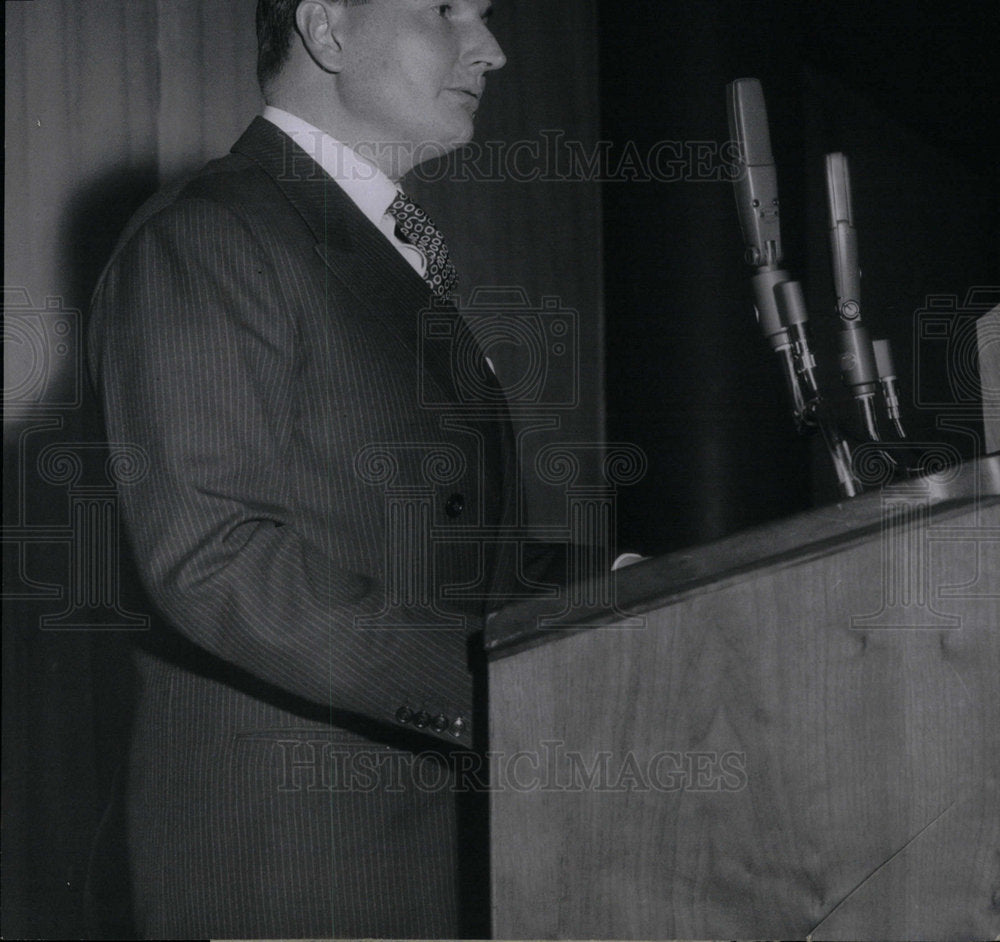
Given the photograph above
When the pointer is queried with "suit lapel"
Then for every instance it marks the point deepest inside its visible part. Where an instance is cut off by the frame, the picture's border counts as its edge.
(363, 262)
(354, 251)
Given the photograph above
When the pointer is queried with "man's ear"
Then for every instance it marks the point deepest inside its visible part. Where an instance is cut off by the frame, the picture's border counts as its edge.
(319, 24)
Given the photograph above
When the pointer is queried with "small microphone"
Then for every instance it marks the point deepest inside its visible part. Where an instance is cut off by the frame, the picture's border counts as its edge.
(887, 376)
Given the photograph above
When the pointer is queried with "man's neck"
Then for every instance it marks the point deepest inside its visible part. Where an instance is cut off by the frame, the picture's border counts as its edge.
(393, 158)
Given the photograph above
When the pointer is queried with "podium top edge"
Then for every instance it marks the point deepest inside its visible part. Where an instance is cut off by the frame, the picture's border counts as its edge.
(658, 582)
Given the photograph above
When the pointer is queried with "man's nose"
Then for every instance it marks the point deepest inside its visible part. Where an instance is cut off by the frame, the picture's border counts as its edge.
(484, 50)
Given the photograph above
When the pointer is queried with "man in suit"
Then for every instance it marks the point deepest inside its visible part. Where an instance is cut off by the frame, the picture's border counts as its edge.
(258, 334)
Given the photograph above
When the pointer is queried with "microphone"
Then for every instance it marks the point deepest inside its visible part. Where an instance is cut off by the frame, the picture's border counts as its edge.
(779, 301)
(757, 187)
(757, 203)
(887, 376)
(857, 356)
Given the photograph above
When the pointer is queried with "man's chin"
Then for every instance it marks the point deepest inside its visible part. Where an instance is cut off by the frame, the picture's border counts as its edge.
(434, 150)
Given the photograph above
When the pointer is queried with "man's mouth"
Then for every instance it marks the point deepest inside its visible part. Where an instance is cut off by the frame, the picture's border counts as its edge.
(470, 95)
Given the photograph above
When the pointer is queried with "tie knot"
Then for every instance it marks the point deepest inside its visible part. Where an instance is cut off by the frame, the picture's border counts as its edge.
(413, 225)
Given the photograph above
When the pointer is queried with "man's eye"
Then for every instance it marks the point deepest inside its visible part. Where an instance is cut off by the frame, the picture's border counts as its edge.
(444, 10)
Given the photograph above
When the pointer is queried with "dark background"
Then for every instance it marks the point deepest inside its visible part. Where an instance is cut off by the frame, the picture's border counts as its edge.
(671, 358)
(909, 92)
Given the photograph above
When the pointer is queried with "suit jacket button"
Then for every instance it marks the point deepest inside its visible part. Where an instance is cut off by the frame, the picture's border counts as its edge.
(440, 723)
(421, 719)
(454, 505)
(404, 715)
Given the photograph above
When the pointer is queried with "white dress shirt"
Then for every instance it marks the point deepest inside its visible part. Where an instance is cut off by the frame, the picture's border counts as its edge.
(367, 186)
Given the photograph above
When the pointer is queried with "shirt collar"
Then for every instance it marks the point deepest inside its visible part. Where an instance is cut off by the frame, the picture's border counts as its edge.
(367, 186)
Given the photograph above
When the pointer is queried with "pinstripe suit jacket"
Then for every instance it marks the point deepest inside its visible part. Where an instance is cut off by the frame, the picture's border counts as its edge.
(308, 532)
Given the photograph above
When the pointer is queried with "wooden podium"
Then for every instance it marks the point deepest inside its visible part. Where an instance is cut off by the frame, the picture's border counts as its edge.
(794, 732)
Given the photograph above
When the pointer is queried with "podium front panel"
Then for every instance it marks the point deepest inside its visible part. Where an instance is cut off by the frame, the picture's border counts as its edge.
(810, 749)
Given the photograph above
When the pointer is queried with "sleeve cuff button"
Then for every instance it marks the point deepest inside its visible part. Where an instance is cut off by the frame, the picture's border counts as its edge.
(404, 715)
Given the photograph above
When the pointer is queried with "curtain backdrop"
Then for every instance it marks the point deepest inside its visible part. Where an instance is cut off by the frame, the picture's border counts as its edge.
(106, 101)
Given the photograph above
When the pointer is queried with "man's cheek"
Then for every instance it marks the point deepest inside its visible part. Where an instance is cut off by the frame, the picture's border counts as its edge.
(423, 63)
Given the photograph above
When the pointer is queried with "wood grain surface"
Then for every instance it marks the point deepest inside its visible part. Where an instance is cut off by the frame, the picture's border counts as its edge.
(777, 756)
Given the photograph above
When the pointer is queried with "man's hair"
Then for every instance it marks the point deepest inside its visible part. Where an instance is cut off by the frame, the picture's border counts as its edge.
(275, 28)
(275, 31)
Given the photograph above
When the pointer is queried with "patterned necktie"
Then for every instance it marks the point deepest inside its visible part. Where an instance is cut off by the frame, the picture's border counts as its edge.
(414, 226)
